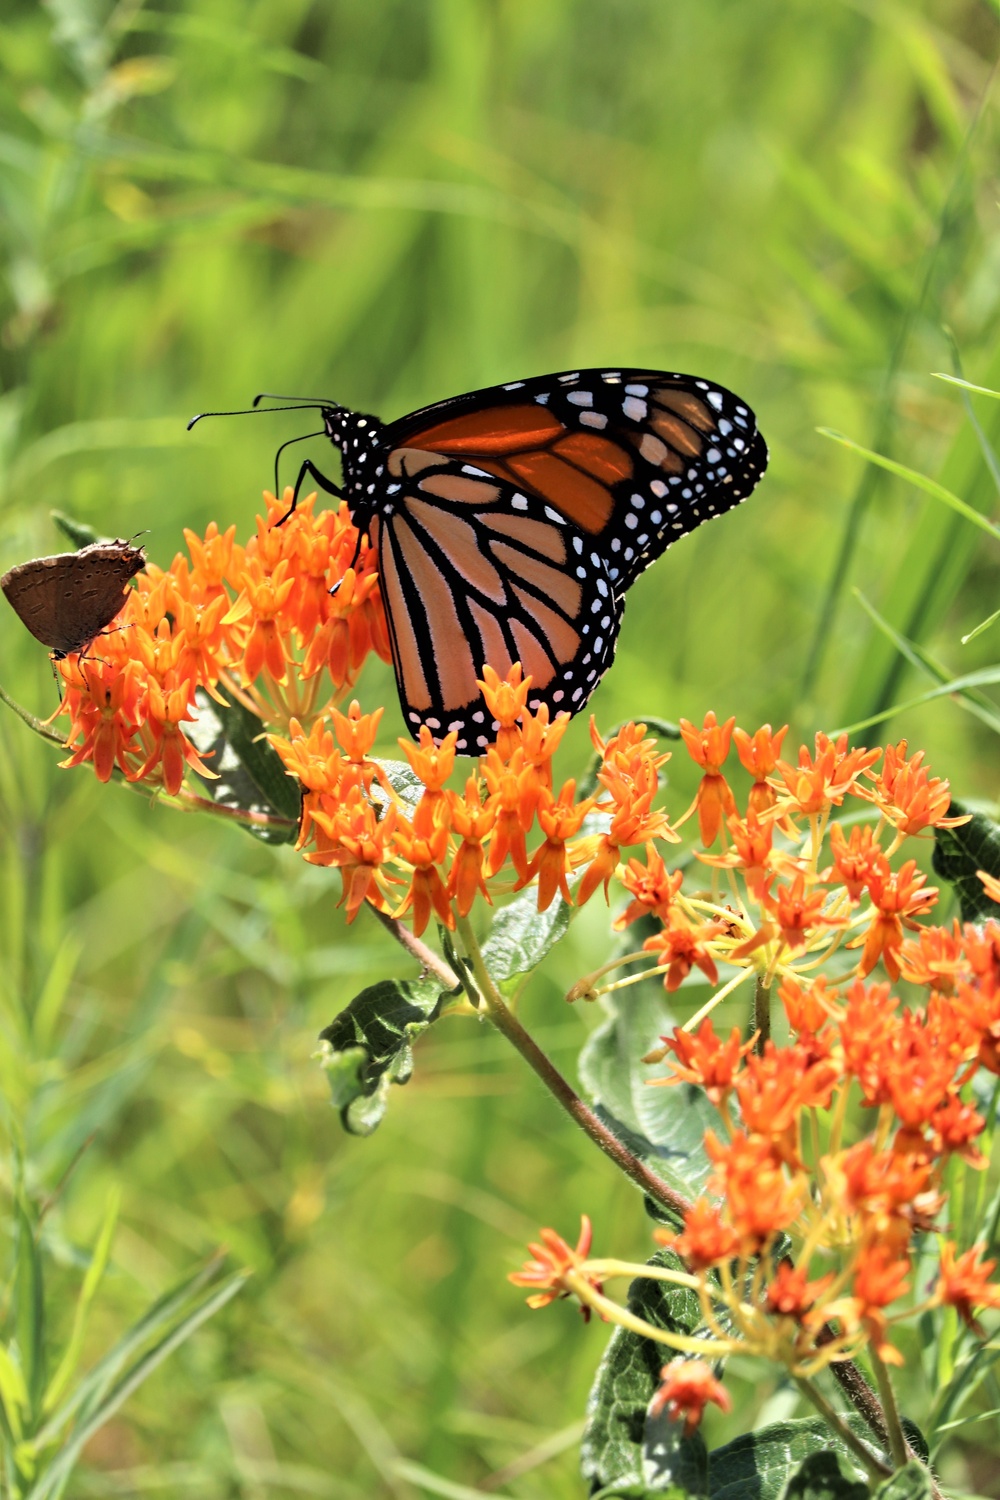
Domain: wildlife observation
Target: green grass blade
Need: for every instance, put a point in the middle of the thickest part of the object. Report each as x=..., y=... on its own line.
x=967, y=385
x=57, y=1472
x=986, y=677
x=91, y=1282
x=91, y=1389
x=983, y=625
x=914, y=477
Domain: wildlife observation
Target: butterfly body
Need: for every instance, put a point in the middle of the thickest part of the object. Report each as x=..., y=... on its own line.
x=510, y=522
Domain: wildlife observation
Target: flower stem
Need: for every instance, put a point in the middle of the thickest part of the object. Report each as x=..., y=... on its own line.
x=559, y=1087
x=762, y=1013
x=897, y=1439
x=873, y=1467
x=426, y=957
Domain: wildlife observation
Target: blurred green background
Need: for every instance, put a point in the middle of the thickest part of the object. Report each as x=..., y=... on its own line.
x=388, y=204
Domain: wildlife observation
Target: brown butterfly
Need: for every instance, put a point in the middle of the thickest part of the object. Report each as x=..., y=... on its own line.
x=67, y=600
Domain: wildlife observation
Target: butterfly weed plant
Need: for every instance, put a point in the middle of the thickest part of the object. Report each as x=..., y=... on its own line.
x=809, y=1176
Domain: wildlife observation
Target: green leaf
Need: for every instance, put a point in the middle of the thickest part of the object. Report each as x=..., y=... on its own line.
x=521, y=935
x=664, y=1125
x=370, y=1046
x=623, y=1451
x=911, y=1483
x=78, y=532
x=960, y=852
x=761, y=1465
x=822, y=1478
x=251, y=775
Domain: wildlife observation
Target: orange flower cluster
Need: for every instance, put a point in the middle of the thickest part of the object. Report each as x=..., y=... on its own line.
x=282, y=625
x=436, y=853
x=859, y=1203
x=798, y=884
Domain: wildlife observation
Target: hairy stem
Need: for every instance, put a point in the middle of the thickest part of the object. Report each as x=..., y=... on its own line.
x=559, y=1087
x=873, y=1467
x=762, y=1014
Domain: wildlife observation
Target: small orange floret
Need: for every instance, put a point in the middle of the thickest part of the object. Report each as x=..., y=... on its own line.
x=682, y=945
x=705, y=1059
x=687, y=1387
x=964, y=1283
x=553, y=1259
x=706, y=1239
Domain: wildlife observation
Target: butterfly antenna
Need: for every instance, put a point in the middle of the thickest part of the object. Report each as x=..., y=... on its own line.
x=255, y=411
x=308, y=400
x=289, y=443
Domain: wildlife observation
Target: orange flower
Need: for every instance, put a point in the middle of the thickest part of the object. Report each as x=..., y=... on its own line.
x=263, y=596
x=759, y=756
x=856, y=857
x=797, y=910
x=825, y=778
x=991, y=885
x=559, y=820
x=706, y=1240
x=513, y=794
x=705, y=1059
x=651, y=887
x=553, y=1258
x=775, y=1088
x=687, y=1387
x=761, y=1199
x=908, y=796
x=879, y=1279
x=472, y=822
x=964, y=1283
x=897, y=895
x=808, y=1006
x=353, y=838
x=427, y=891
x=507, y=700
x=935, y=958
x=751, y=851
x=681, y=945
x=709, y=747
x=171, y=751
x=102, y=704
x=791, y=1295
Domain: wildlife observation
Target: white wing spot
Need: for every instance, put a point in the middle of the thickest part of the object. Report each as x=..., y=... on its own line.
x=519, y=502
x=637, y=390
x=593, y=419
x=634, y=408
x=715, y=399
x=515, y=385
x=581, y=398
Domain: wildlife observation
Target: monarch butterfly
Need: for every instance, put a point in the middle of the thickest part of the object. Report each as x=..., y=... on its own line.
x=509, y=523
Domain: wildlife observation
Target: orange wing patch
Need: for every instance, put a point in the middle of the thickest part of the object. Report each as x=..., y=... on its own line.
x=492, y=432
x=460, y=545
x=598, y=456
x=564, y=590
x=579, y=497
x=540, y=536
x=686, y=406
x=452, y=660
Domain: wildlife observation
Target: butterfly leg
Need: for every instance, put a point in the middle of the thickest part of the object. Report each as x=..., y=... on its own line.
x=327, y=485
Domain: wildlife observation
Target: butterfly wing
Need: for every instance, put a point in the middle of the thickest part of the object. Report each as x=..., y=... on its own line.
x=475, y=570
x=634, y=459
